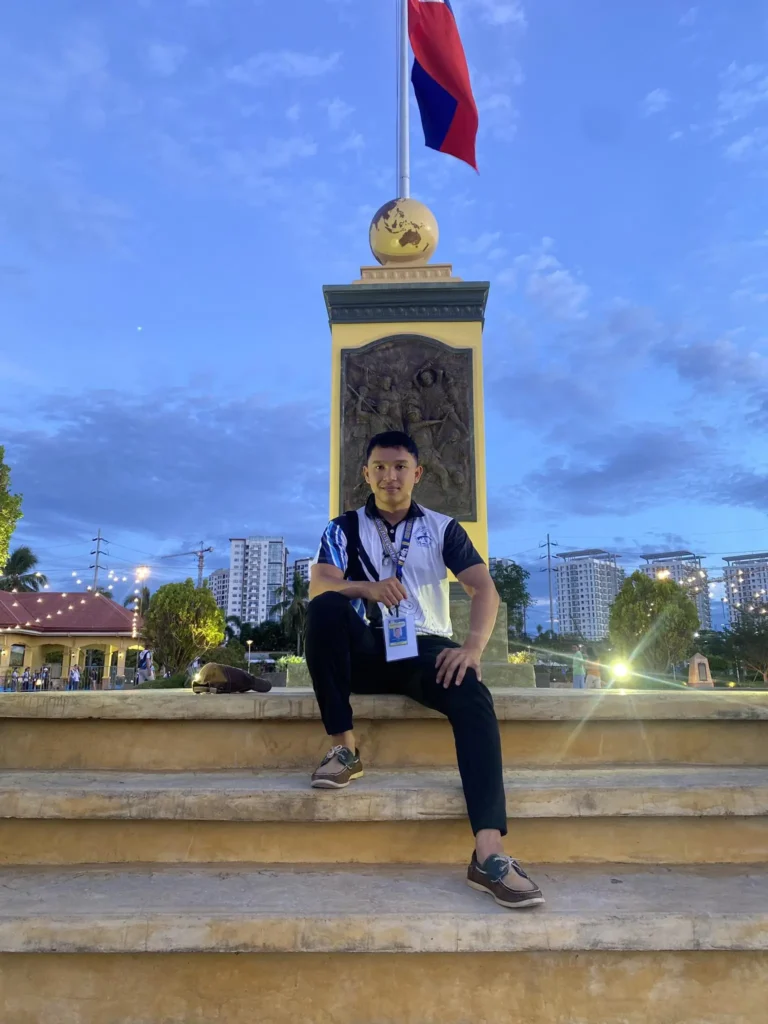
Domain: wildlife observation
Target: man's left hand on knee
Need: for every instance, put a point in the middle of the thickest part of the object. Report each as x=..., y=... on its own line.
x=452, y=664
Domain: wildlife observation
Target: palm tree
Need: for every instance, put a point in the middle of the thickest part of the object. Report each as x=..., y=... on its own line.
x=18, y=574
x=234, y=627
x=143, y=599
x=293, y=609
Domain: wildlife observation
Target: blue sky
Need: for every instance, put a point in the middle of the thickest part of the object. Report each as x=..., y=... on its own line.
x=180, y=178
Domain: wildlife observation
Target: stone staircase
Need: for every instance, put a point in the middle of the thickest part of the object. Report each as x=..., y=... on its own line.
x=164, y=861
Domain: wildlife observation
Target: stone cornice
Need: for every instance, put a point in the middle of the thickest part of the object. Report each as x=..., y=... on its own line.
x=406, y=303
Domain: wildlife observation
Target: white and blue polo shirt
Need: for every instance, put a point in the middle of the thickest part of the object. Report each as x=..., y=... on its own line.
x=439, y=544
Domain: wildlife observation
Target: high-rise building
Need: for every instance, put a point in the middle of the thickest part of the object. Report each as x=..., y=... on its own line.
x=587, y=584
x=218, y=584
x=302, y=567
x=502, y=563
x=745, y=578
x=257, y=570
x=684, y=568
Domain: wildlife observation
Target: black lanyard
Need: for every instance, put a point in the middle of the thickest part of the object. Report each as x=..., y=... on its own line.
x=398, y=557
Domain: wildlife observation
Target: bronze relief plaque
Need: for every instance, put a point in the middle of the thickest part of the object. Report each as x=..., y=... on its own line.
x=421, y=386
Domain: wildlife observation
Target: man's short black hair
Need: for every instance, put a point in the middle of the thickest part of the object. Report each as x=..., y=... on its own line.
x=393, y=439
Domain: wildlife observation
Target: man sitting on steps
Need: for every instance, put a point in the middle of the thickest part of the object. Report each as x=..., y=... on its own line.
x=379, y=622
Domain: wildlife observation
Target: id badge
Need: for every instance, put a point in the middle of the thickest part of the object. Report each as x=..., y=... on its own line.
x=400, y=636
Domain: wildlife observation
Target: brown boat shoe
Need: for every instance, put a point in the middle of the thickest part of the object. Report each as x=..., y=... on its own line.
x=504, y=879
x=337, y=769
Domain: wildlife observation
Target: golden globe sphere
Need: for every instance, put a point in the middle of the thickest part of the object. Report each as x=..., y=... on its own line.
x=403, y=231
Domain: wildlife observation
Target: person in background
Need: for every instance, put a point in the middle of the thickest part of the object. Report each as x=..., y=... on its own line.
x=144, y=665
x=578, y=669
x=15, y=680
x=74, y=678
x=594, y=680
x=26, y=679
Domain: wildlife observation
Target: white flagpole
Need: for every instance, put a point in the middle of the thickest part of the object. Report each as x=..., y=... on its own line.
x=403, y=134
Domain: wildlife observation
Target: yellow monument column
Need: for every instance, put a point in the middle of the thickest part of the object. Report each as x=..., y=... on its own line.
x=407, y=355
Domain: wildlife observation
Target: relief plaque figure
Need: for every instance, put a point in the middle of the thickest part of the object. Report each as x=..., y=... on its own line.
x=423, y=387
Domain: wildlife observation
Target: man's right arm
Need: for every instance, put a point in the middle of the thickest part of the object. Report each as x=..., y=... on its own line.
x=325, y=578
x=329, y=570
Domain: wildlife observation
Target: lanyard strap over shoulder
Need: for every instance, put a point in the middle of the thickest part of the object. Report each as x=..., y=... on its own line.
x=398, y=557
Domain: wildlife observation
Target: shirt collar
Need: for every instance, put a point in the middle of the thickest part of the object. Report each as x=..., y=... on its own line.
x=414, y=512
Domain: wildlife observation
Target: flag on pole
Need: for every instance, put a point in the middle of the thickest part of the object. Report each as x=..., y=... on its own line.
x=440, y=79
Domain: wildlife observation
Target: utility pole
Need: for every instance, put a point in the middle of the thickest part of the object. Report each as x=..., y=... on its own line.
x=549, y=544
x=98, y=541
x=201, y=552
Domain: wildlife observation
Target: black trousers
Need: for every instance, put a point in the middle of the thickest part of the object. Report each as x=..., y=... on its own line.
x=344, y=656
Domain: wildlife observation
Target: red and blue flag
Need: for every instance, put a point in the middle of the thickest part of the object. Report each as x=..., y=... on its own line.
x=440, y=79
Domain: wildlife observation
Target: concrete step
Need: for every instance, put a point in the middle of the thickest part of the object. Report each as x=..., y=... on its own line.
x=156, y=730
x=612, y=944
x=638, y=814
x=407, y=909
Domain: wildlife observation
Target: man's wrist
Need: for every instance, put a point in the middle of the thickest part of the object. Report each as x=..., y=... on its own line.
x=474, y=644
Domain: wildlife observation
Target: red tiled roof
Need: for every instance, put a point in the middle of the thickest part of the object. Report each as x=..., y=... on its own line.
x=53, y=612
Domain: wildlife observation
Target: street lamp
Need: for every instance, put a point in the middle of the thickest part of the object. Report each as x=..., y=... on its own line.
x=249, y=642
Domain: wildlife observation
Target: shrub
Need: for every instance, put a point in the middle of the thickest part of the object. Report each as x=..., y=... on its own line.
x=181, y=679
x=521, y=658
x=288, y=659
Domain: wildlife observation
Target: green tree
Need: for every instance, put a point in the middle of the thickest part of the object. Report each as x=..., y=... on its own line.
x=293, y=610
x=748, y=640
x=232, y=653
x=234, y=627
x=652, y=622
x=143, y=598
x=10, y=508
x=717, y=648
x=511, y=584
x=267, y=636
x=19, y=572
x=182, y=624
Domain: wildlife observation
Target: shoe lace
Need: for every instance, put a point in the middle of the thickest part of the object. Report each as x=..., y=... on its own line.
x=332, y=753
x=500, y=867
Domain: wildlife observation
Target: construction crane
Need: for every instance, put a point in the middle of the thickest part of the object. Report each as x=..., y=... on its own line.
x=200, y=553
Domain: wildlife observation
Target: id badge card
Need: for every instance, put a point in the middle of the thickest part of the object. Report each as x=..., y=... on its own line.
x=400, y=636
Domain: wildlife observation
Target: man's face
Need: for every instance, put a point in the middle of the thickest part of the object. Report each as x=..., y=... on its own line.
x=392, y=473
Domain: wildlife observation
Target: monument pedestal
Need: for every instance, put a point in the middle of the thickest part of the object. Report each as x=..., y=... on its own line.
x=497, y=671
x=407, y=355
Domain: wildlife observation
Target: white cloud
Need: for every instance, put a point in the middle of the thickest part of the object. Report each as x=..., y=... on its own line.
x=742, y=91
x=689, y=18
x=164, y=59
x=274, y=155
x=746, y=146
x=656, y=101
x=495, y=101
x=502, y=12
x=354, y=142
x=548, y=283
x=482, y=245
x=263, y=68
x=338, y=111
